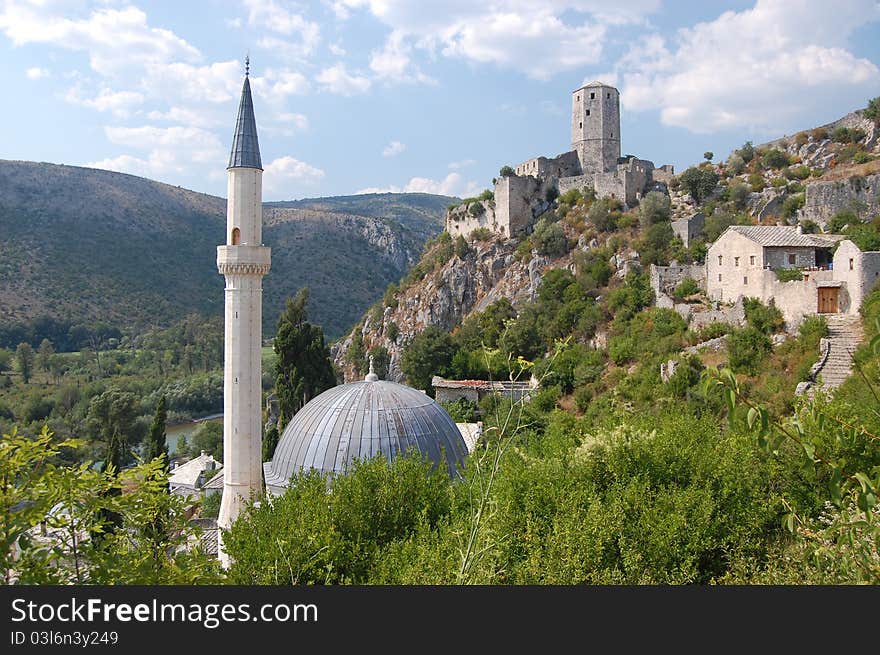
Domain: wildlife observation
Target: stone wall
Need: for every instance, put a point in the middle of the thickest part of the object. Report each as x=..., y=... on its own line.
x=575, y=182
x=461, y=221
x=734, y=266
x=664, y=279
x=564, y=165
x=824, y=199
x=664, y=173
x=518, y=199
x=779, y=257
x=595, y=127
x=688, y=228
x=859, y=270
x=734, y=315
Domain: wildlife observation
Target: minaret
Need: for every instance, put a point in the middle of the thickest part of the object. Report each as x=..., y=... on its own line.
x=243, y=261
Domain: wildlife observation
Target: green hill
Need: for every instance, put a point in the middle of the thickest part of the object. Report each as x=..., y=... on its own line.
x=83, y=246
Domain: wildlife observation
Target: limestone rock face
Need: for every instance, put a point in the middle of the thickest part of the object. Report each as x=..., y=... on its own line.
x=489, y=272
x=824, y=199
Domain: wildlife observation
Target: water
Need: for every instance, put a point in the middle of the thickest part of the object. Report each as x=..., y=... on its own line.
x=186, y=430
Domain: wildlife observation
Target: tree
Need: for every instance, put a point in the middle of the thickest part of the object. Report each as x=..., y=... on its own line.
x=507, y=171
x=209, y=437
x=699, y=183
x=872, y=111
x=429, y=353
x=270, y=442
x=381, y=361
x=303, y=368
x=44, y=353
x=112, y=419
x=655, y=207
x=24, y=357
x=708, y=155
x=156, y=444
x=5, y=360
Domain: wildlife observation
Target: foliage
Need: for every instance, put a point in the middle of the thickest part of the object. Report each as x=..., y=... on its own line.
x=720, y=221
x=602, y=216
x=24, y=360
x=655, y=207
x=746, y=348
x=764, y=318
x=687, y=287
x=462, y=410
x=112, y=419
x=735, y=164
x=756, y=182
x=847, y=135
x=699, y=182
x=506, y=171
x=549, y=238
x=429, y=353
x=303, y=367
x=461, y=247
x=872, y=111
x=774, y=159
x=155, y=445
x=708, y=155
x=789, y=274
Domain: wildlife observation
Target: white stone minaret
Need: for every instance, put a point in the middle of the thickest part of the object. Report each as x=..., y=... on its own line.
x=243, y=261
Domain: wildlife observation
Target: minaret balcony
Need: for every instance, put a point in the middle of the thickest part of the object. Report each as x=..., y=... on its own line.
x=248, y=260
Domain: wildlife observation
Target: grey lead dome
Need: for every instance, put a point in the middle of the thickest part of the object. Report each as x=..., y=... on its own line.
x=360, y=420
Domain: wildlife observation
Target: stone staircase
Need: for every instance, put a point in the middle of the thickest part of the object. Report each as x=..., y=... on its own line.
x=844, y=336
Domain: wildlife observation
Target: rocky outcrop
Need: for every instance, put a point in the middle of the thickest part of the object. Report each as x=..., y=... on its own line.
x=825, y=199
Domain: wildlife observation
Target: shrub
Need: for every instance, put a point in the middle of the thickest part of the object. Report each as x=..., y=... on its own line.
x=765, y=318
x=841, y=219
x=549, y=239
x=746, y=348
x=476, y=209
x=655, y=207
x=801, y=139
x=506, y=171
x=582, y=398
x=872, y=111
x=735, y=164
x=601, y=217
x=571, y=197
x=461, y=247
x=789, y=274
x=481, y=234
x=700, y=183
x=774, y=159
x=792, y=204
x=687, y=287
x=809, y=227
x=778, y=182
x=862, y=157
x=747, y=151
x=462, y=410
x=488, y=194
x=756, y=180
x=392, y=331
x=738, y=194
x=714, y=330
x=819, y=134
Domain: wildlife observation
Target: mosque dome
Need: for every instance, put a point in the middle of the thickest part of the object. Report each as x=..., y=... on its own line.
x=360, y=420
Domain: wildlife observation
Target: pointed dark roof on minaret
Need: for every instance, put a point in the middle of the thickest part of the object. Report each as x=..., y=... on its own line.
x=245, y=147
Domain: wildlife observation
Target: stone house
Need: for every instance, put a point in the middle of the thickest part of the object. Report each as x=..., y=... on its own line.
x=446, y=391
x=835, y=273
x=187, y=479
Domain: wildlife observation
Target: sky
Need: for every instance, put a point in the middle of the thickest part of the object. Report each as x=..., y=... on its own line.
x=355, y=96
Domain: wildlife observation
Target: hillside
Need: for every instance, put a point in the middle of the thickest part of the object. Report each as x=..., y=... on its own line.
x=83, y=245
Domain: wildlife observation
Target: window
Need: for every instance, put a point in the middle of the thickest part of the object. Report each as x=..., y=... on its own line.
x=719, y=277
x=588, y=112
x=850, y=264
x=578, y=98
x=719, y=260
x=736, y=261
x=752, y=260
x=592, y=96
x=791, y=258
x=608, y=96
x=612, y=135
x=236, y=236
x=745, y=280
x=580, y=125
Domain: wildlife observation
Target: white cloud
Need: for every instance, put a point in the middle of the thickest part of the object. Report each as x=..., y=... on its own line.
x=234, y=23
x=168, y=150
x=769, y=68
x=272, y=16
x=393, y=149
x=283, y=176
x=119, y=103
x=336, y=49
x=36, y=73
x=464, y=163
x=336, y=79
x=115, y=39
x=393, y=63
x=298, y=121
x=276, y=84
x=451, y=185
x=538, y=38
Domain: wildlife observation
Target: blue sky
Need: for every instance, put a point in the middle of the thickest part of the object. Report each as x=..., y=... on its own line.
x=394, y=95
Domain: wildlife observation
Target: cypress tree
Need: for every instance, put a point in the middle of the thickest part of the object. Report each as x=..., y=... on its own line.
x=156, y=445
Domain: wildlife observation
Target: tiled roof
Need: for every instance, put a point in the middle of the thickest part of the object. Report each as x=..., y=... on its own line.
x=784, y=236
x=484, y=385
x=216, y=482
x=187, y=475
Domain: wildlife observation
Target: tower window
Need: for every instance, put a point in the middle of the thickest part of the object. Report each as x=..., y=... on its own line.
x=752, y=260
x=592, y=96
x=745, y=280
x=588, y=112
x=580, y=125
x=719, y=277
x=608, y=96
x=612, y=135
x=236, y=236
x=850, y=264
x=720, y=259
x=736, y=261
x=578, y=98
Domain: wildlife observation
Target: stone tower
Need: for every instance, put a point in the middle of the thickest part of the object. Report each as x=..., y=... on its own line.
x=595, y=126
x=243, y=261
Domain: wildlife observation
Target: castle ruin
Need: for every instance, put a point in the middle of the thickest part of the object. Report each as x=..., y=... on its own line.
x=593, y=164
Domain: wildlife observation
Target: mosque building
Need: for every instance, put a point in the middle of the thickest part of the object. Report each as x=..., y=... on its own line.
x=359, y=420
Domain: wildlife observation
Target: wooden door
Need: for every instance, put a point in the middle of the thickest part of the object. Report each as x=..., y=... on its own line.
x=828, y=300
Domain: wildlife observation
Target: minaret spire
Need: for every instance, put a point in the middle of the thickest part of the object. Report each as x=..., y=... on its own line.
x=244, y=260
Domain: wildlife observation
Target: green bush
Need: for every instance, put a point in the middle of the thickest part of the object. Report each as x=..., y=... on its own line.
x=756, y=180
x=764, y=318
x=476, y=209
x=506, y=171
x=789, y=274
x=774, y=159
x=746, y=349
x=735, y=164
x=655, y=207
x=699, y=182
x=481, y=234
x=549, y=239
x=687, y=287
x=792, y=204
x=462, y=410
x=461, y=247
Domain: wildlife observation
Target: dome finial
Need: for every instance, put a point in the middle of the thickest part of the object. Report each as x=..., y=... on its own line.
x=247, y=64
x=371, y=376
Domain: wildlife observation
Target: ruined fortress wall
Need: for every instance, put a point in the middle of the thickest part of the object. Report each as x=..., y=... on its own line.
x=664, y=279
x=563, y=165
x=513, y=196
x=824, y=199
x=575, y=182
x=460, y=221
x=689, y=228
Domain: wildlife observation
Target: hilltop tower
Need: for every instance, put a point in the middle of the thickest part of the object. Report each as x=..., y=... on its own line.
x=595, y=127
x=243, y=261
